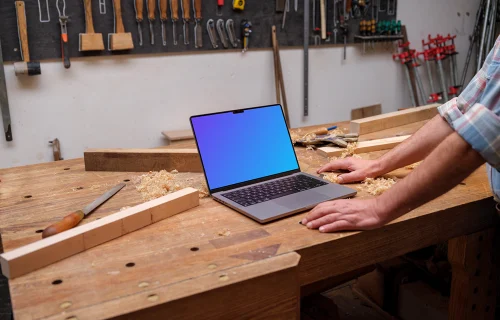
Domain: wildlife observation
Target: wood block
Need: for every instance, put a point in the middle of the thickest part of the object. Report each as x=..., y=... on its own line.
x=177, y=202
x=121, y=41
x=364, y=112
x=91, y=42
x=393, y=119
x=40, y=254
x=46, y=251
x=364, y=146
x=178, y=135
x=142, y=160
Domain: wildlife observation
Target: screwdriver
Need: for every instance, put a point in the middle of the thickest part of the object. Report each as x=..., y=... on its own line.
x=186, y=16
x=174, y=12
x=152, y=17
x=163, y=18
x=139, y=6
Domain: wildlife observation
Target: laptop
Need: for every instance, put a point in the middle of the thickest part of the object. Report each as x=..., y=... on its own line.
x=250, y=164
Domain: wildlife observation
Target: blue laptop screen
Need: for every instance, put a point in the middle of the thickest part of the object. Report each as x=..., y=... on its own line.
x=242, y=146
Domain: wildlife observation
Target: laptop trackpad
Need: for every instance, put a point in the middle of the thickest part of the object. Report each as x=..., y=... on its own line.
x=301, y=199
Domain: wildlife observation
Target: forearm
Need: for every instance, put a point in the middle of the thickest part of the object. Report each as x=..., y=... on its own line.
x=417, y=147
x=447, y=165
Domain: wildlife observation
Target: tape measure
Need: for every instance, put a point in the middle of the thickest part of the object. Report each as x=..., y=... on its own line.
x=239, y=5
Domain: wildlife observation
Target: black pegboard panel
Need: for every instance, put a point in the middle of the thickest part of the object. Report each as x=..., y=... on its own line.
x=44, y=38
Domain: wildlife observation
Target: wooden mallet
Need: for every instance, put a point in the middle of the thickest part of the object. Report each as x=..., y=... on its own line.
x=31, y=68
x=90, y=41
x=120, y=40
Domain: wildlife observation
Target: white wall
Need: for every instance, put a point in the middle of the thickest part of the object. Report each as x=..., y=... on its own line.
x=127, y=101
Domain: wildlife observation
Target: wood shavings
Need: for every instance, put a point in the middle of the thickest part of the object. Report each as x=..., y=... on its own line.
x=310, y=148
x=332, y=177
x=224, y=233
x=125, y=208
x=294, y=136
x=378, y=186
x=413, y=166
x=157, y=184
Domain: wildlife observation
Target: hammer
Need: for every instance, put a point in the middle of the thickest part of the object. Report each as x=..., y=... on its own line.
x=28, y=67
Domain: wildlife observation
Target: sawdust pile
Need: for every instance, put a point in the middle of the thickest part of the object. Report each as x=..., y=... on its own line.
x=157, y=184
x=413, y=166
x=378, y=186
x=331, y=176
x=298, y=134
x=224, y=233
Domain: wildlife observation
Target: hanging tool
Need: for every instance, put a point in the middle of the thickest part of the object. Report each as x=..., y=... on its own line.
x=347, y=9
x=198, y=29
x=296, y=5
x=280, y=5
x=119, y=40
x=316, y=28
x=40, y=11
x=278, y=73
x=323, y=19
x=345, y=32
x=186, y=17
x=63, y=21
x=152, y=18
x=391, y=7
x=231, y=33
x=287, y=8
x=335, y=29
x=239, y=5
x=90, y=41
x=439, y=57
x=306, y=58
x=427, y=58
x=4, y=101
x=102, y=6
x=174, y=13
x=73, y=219
x=56, y=149
x=163, y=5
x=31, y=68
x=212, y=33
x=404, y=59
x=139, y=17
x=420, y=86
x=222, y=33
x=220, y=5
x=246, y=31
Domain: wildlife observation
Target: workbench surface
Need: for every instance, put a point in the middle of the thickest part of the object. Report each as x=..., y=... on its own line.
x=208, y=262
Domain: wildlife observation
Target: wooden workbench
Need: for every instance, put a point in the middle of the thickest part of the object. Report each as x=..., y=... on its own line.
x=186, y=268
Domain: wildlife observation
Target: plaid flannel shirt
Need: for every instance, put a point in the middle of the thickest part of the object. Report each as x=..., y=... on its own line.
x=475, y=115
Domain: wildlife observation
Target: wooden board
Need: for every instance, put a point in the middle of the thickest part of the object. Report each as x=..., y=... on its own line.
x=364, y=146
x=49, y=250
x=365, y=112
x=186, y=252
x=393, y=119
x=142, y=160
x=178, y=135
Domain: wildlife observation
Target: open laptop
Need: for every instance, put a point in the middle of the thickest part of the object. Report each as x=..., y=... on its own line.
x=250, y=164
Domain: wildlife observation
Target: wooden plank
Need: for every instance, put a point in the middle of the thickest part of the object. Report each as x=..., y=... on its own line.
x=178, y=135
x=393, y=119
x=49, y=250
x=365, y=112
x=364, y=146
x=142, y=160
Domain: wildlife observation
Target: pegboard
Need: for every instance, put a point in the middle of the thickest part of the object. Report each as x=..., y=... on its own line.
x=44, y=37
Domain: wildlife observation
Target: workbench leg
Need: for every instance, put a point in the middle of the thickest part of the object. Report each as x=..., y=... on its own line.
x=474, y=275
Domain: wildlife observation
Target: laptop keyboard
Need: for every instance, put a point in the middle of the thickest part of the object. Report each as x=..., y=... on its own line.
x=272, y=190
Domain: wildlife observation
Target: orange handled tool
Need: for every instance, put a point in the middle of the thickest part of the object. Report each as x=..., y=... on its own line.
x=73, y=219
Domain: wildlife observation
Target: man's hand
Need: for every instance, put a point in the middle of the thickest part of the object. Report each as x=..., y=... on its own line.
x=359, y=169
x=342, y=215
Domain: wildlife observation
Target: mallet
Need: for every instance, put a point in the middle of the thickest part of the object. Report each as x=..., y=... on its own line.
x=31, y=68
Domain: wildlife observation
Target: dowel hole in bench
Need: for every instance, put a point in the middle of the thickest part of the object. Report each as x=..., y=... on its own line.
x=480, y=238
x=130, y=265
x=28, y=196
x=39, y=231
x=487, y=308
x=473, y=307
x=56, y=282
x=476, y=290
x=66, y=168
x=126, y=180
x=153, y=297
x=79, y=188
x=195, y=249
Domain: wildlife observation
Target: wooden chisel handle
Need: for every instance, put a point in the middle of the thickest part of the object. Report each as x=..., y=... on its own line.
x=186, y=9
x=118, y=16
x=139, y=10
x=174, y=9
x=89, y=21
x=151, y=9
x=68, y=222
x=197, y=9
x=323, y=19
x=163, y=9
x=23, y=30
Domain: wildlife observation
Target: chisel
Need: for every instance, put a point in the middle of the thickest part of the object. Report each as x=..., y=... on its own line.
x=198, y=29
x=152, y=17
x=186, y=17
x=174, y=13
x=163, y=5
x=4, y=101
x=74, y=218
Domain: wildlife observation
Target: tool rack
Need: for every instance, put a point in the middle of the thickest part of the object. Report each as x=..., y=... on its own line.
x=44, y=28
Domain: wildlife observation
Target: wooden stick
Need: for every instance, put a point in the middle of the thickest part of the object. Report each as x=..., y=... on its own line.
x=323, y=19
x=44, y=252
x=364, y=146
x=393, y=119
x=142, y=160
x=276, y=72
x=281, y=81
